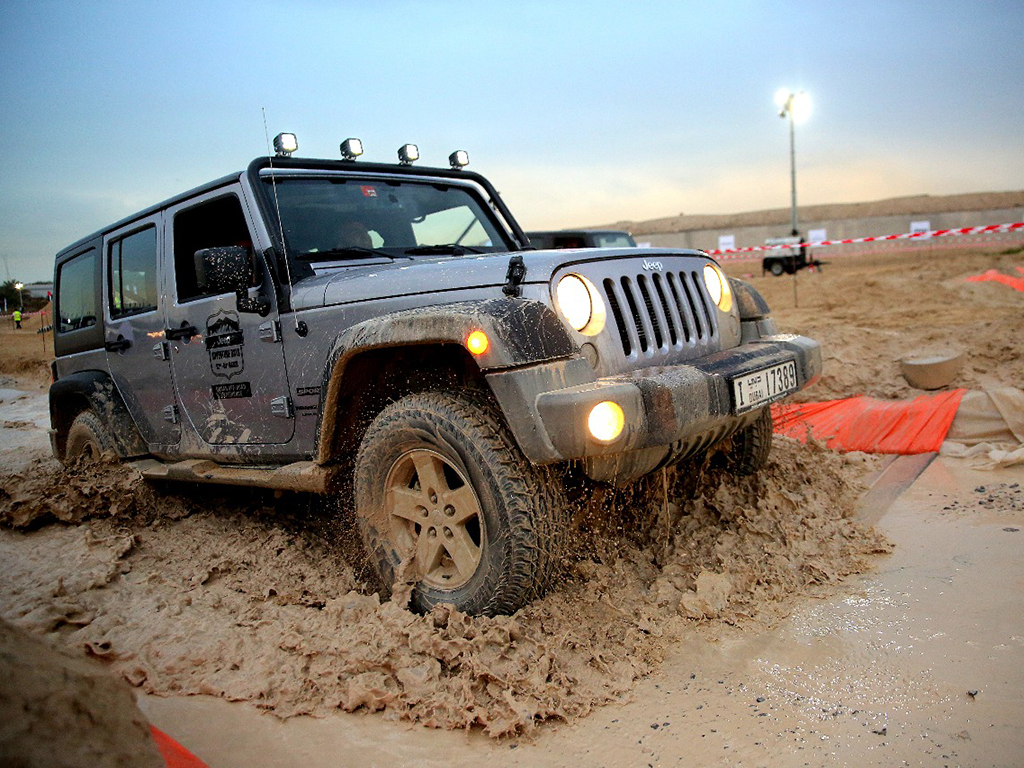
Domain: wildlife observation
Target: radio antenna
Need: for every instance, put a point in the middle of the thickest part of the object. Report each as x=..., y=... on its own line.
x=299, y=326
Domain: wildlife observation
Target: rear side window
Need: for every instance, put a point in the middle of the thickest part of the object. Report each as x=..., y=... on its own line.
x=77, y=303
x=133, y=274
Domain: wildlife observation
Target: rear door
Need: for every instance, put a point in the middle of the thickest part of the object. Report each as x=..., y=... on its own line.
x=228, y=366
x=137, y=355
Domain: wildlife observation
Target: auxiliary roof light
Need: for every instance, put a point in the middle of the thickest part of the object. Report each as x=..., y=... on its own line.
x=458, y=159
x=351, y=149
x=285, y=144
x=408, y=154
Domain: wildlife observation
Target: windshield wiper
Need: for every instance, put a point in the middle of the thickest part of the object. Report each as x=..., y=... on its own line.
x=451, y=249
x=352, y=250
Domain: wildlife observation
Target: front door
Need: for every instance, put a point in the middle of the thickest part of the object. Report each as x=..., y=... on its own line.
x=229, y=368
x=137, y=354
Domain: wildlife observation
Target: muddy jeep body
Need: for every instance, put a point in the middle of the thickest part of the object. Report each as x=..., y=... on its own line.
x=224, y=336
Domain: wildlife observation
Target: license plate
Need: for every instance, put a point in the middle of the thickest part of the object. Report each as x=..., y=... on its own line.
x=755, y=389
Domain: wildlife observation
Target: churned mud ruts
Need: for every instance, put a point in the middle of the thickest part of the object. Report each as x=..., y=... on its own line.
x=253, y=600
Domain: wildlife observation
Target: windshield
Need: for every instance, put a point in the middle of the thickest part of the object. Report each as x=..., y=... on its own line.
x=345, y=217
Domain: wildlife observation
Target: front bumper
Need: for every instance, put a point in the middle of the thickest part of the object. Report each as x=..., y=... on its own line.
x=670, y=411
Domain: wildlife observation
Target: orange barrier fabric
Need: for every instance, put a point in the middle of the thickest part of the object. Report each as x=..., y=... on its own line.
x=1017, y=283
x=175, y=755
x=873, y=426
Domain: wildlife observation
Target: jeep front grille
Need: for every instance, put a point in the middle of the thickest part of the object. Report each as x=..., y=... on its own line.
x=661, y=313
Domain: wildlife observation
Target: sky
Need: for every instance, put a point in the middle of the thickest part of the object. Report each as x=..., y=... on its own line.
x=581, y=113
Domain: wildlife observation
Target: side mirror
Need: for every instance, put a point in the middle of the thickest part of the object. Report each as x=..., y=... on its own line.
x=228, y=269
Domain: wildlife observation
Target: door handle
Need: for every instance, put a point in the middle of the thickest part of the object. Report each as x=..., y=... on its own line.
x=120, y=345
x=185, y=332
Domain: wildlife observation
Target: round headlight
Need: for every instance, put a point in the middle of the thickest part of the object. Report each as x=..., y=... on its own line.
x=718, y=287
x=580, y=304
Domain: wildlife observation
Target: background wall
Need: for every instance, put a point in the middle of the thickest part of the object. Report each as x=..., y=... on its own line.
x=836, y=229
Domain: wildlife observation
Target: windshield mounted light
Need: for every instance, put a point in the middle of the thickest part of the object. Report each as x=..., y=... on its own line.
x=458, y=159
x=285, y=144
x=718, y=287
x=408, y=154
x=351, y=149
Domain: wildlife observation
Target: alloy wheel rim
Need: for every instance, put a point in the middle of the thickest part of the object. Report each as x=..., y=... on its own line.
x=434, y=512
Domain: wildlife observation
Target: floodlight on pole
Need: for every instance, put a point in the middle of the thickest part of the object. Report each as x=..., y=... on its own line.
x=796, y=106
x=21, y=302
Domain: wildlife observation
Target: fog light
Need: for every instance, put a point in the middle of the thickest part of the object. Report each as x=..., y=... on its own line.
x=351, y=149
x=477, y=342
x=606, y=421
x=285, y=144
x=408, y=154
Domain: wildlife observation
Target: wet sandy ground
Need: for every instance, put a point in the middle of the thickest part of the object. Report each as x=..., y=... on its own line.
x=920, y=662
x=877, y=673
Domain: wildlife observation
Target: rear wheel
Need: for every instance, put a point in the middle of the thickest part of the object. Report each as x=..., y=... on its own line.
x=89, y=440
x=441, y=484
x=751, y=446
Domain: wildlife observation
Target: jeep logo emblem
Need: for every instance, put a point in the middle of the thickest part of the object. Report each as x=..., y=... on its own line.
x=655, y=265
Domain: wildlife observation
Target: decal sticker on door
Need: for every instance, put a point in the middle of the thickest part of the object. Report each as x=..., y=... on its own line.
x=224, y=342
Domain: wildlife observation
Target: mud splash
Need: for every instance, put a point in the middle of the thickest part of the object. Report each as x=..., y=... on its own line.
x=233, y=596
x=46, y=492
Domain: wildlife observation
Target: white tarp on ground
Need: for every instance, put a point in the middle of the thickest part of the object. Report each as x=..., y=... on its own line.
x=989, y=427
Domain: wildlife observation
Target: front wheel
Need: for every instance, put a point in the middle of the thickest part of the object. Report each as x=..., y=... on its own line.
x=751, y=446
x=441, y=484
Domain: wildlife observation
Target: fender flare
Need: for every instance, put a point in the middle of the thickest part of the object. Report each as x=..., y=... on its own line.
x=521, y=332
x=93, y=390
x=750, y=302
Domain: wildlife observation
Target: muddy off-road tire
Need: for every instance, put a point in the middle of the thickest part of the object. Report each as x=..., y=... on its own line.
x=89, y=440
x=439, y=474
x=751, y=446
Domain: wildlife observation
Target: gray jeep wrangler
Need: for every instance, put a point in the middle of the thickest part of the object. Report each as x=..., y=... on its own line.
x=316, y=325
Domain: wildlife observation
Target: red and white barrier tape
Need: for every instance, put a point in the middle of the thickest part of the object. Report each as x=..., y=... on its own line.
x=988, y=229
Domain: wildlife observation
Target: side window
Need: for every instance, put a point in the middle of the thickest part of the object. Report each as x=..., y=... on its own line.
x=77, y=303
x=133, y=274
x=213, y=224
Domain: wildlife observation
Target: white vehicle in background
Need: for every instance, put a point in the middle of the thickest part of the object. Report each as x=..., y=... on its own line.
x=789, y=259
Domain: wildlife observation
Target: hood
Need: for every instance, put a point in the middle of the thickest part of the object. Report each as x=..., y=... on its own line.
x=344, y=283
